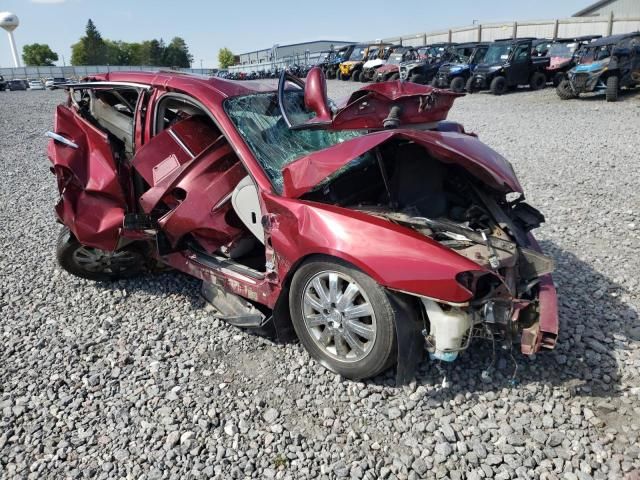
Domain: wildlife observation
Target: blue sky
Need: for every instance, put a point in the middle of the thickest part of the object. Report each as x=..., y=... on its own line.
x=251, y=24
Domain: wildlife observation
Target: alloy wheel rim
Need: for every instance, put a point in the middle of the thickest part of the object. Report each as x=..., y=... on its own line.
x=339, y=316
x=102, y=261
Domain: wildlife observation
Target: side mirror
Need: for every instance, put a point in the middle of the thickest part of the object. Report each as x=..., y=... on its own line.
x=315, y=99
x=315, y=95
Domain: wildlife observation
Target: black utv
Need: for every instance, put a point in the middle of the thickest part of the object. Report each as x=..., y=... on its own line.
x=509, y=64
x=330, y=60
x=455, y=74
x=3, y=84
x=608, y=64
x=424, y=69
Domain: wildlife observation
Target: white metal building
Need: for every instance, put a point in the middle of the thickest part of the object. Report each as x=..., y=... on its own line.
x=278, y=52
x=604, y=8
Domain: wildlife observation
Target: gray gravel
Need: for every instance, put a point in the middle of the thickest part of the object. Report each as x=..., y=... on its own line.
x=135, y=380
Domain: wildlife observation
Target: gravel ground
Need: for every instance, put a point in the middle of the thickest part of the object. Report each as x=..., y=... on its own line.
x=136, y=380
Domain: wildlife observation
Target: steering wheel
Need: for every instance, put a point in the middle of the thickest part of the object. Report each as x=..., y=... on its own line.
x=284, y=78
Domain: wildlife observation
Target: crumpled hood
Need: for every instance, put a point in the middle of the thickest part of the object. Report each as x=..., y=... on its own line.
x=462, y=149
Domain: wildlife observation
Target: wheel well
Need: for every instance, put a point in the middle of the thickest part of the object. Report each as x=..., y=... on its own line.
x=281, y=312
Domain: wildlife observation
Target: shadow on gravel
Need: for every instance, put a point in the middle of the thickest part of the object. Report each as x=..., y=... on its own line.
x=623, y=95
x=161, y=284
x=593, y=326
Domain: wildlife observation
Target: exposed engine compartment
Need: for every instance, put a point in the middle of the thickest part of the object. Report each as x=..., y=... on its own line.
x=401, y=182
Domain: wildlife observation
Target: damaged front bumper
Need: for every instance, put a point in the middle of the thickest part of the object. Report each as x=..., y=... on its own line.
x=532, y=322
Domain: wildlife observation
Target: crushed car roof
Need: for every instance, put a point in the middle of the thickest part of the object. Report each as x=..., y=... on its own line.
x=186, y=81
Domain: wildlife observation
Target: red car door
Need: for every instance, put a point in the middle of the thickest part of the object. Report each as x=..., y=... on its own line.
x=92, y=201
x=191, y=172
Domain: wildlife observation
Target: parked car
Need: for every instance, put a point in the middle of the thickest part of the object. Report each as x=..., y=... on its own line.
x=391, y=69
x=15, y=84
x=455, y=74
x=35, y=84
x=607, y=64
x=509, y=64
x=425, y=68
x=372, y=234
x=562, y=56
x=52, y=83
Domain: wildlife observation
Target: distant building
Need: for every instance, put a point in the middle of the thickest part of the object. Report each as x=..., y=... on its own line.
x=279, y=52
x=604, y=8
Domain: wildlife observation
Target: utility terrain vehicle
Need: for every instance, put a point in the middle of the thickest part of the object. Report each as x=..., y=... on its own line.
x=509, y=64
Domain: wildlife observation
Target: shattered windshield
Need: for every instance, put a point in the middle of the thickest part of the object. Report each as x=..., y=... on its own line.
x=259, y=121
x=497, y=53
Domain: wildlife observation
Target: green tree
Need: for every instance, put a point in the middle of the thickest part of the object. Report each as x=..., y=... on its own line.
x=156, y=52
x=39, y=55
x=226, y=58
x=91, y=49
x=177, y=54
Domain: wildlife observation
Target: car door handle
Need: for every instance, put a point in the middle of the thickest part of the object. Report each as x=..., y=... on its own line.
x=61, y=139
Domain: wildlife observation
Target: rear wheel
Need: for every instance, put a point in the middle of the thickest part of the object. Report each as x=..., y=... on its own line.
x=355, y=76
x=613, y=88
x=537, y=81
x=418, y=78
x=564, y=90
x=95, y=264
x=457, y=84
x=469, y=86
x=343, y=318
x=498, y=85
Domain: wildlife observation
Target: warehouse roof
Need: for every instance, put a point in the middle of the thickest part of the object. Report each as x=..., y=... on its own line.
x=592, y=7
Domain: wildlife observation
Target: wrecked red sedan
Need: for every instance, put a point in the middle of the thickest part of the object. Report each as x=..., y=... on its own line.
x=376, y=229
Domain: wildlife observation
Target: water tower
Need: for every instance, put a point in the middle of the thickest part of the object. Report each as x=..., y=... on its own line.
x=10, y=22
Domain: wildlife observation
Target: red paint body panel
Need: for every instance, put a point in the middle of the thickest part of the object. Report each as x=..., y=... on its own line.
x=192, y=190
x=548, y=300
x=92, y=202
x=368, y=107
x=450, y=147
x=395, y=256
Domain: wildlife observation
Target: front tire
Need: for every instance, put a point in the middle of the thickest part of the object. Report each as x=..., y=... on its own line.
x=457, y=85
x=95, y=264
x=355, y=76
x=537, y=81
x=498, y=85
x=343, y=318
x=469, y=86
x=613, y=88
x=564, y=90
